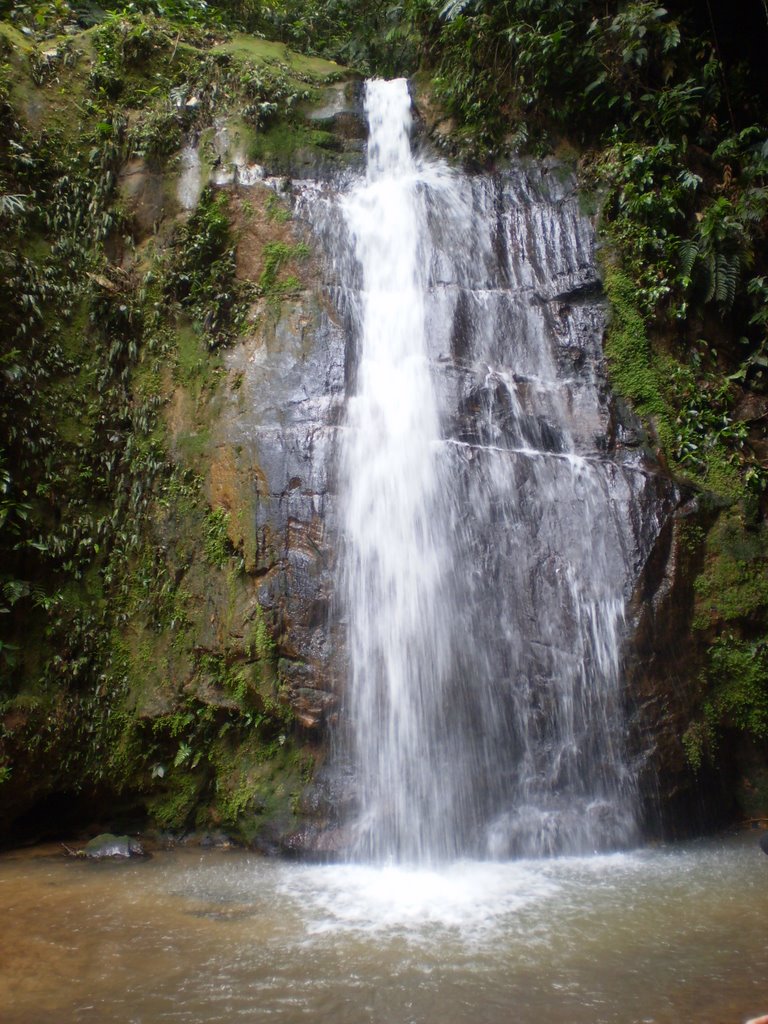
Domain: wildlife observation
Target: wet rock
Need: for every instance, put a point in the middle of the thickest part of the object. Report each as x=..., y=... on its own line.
x=317, y=843
x=143, y=190
x=576, y=356
x=663, y=663
x=215, y=840
x=751, y=407
x=107, y=845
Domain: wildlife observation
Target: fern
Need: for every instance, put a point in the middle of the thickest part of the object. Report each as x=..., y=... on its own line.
x=688, y=252
x=709, y=269
x=726, y=279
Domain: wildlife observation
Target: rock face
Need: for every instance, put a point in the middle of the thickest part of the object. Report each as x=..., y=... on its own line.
x=281, y=423
x=270, y=424
x=201, y=694
x=533, y=444
x=663, y=663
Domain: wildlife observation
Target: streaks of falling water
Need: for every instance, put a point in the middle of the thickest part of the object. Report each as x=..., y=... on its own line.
x=488, y=546
x=395, y=563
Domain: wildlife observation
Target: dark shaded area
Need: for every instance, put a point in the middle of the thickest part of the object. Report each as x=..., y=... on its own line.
x=738, y=30
x=61, y=815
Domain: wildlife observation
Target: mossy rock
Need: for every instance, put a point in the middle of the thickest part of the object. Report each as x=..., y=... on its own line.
x=108, y=846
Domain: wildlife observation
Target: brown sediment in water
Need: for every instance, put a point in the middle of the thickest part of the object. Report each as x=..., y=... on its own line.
x=211, y=935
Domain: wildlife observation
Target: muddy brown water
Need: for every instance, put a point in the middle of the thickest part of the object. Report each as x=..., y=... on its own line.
x=649, y=937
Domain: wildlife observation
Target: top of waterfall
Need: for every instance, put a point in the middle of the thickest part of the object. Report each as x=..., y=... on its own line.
x=388, y=106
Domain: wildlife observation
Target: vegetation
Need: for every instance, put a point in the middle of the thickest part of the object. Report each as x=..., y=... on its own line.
x=112, y=678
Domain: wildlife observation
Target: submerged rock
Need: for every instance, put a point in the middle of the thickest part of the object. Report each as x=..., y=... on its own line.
x=107, y=845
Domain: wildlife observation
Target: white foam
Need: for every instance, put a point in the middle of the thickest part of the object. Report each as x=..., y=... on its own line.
x=468, y=898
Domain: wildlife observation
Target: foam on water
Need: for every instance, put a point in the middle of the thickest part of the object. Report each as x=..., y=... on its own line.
x=467, y=898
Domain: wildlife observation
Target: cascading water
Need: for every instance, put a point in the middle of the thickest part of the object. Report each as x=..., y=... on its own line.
x=490, y=540
x=396, y=558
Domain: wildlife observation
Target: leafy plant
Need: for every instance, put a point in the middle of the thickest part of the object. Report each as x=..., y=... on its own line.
x=216, y=539
x=202, y=273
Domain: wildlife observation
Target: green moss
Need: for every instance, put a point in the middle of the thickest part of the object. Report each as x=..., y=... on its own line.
x=689, y=411
x=174, y=807
x=632, y=364
x=48, y=82
x=262, y=51
x=698, y=743
x=738, y=673
x=261, y=643
x=752, y=793
x=74, y=334
x=286, y=147
x=691, y=537
x=734, y=583
x=721, y=474
x=277, y=255
x=632, y=367
x=256, y=786
x=216, y=536
x=276, y=210
x=192, y=446
x=125, y=753
x=732, y=598
x=13, y=39
x=197, y=369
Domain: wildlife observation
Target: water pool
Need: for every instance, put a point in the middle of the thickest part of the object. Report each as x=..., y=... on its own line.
x=654, y=936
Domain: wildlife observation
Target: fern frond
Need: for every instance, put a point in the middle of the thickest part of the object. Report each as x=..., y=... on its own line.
x=710, y=275
x=727, y=275
x=688, y=253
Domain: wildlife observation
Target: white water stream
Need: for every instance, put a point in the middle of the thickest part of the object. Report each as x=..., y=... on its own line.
x=488, y=548
x=397, y=557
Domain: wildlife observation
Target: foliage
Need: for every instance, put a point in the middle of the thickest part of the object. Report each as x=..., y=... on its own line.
x=215, y=538
x=739, y=674
x=202, y=273
x=276, y=255
x=261, y=644
x=736, y=683
x=106, y=544
x=733, y=587
x=628, y=347
x=375, y=38
x=732, y=614
x=186, y=12
x=572, y=63
x=54, y=15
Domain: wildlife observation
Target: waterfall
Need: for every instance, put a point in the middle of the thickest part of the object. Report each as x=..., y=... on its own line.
x=492, y=522
x=396, y=559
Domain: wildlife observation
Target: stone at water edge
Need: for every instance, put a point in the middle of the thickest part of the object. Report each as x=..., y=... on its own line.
x=764, y=846
x=107, y=845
